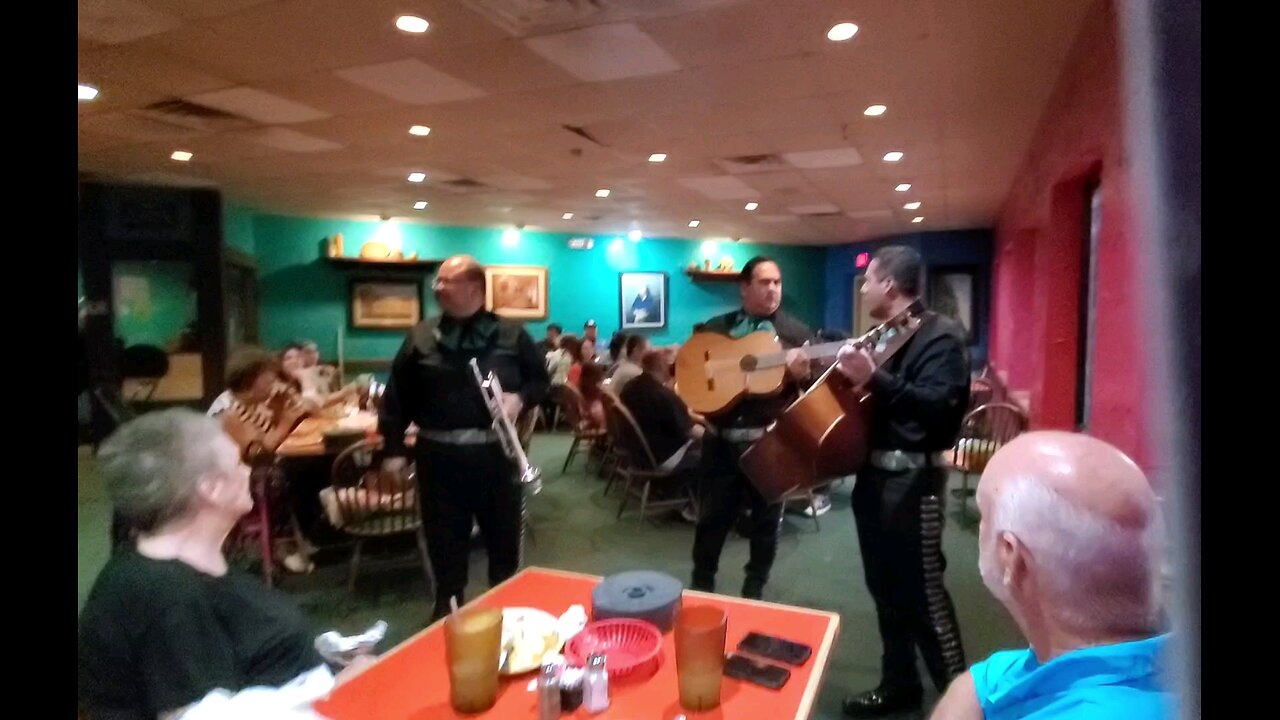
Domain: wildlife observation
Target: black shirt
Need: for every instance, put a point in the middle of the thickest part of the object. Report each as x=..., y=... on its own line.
x=922, y=392
x=158, y=635
x=662, y=416
x=432, y=384
x=760, y=411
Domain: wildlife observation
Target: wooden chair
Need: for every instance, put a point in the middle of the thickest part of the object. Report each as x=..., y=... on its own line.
x=636, y=464
x=359, y=504
x=984, y=431
x=573, y=407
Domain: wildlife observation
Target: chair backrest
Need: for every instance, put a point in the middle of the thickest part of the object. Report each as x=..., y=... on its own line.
x=981, y=392
x=985, y=430
x=628, y=439
x=360, y=501
x=144, y=361
x=571, y=403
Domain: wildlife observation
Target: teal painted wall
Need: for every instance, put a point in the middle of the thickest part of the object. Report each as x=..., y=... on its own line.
x=154, y=301
x=237, y=227
x=302, y=296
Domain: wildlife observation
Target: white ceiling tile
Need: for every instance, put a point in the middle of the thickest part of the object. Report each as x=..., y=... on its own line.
x=411, y=81
x=835, y=157
x=720, y=188
x=605, y=52
x=294, y=141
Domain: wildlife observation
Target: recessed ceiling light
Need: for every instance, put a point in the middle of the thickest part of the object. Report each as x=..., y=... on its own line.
x=894, y=156
x=635, y=235
x=912, y=205
x=917, y=219
x=751, y=206
x=875, y=110
x=412, y=24
x=657, y=157
x=420, y=205
x=903, y=187
x=567, y=216
x=695, y=223
x=417, y=177
x=87, y=92
x=602, y=192
x=181, y=155
x=842, y=32
x=420, y=130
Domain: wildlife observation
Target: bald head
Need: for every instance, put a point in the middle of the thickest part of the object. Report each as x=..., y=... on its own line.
x=1069, y=534
x=459, y=286
x=1085, y=471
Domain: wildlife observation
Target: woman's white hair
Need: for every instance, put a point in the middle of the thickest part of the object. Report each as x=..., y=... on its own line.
x=1096, y=573
x=153, y=464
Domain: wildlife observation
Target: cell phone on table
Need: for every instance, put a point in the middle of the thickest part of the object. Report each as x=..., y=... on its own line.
x=741, y=667
x=775, y=648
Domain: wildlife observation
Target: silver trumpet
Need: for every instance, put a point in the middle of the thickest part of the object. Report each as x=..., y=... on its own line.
x=491, y=389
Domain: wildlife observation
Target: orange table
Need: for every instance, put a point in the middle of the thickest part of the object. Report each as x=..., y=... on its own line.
x=411, y=682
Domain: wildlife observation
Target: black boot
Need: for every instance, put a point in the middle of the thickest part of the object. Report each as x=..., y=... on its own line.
x=753, y=588
x=703, y=582
x=442, y=607
x=882, y=702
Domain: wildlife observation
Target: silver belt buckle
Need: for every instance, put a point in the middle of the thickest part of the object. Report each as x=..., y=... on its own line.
x=898, y=460
x=742, y=434
x=465, y=436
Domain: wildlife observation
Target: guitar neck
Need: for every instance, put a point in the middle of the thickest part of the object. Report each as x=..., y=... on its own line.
x=813, y=352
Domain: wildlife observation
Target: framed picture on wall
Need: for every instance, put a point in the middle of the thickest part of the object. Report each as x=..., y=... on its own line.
x=643, y=300
x=386, y=304
x=951, y=293
x=516, y=291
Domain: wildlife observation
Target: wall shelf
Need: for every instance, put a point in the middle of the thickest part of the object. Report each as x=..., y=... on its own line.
x=712, y=275
x=405, y=266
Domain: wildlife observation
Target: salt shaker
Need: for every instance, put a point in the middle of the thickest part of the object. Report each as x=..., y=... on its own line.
x=595, y=685
x=549, y=692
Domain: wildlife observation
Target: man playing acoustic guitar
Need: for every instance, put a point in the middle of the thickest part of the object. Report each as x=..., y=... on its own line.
x=735, y=429
x=920, y=395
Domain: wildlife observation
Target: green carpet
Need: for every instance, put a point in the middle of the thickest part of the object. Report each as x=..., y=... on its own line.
x=575, y=529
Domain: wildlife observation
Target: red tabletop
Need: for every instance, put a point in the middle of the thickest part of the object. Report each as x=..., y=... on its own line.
x=411, y=682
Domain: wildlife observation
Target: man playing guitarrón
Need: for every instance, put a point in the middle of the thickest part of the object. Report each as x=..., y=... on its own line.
x=920, y=394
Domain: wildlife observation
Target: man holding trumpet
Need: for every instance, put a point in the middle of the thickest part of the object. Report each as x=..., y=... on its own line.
x=463, y=473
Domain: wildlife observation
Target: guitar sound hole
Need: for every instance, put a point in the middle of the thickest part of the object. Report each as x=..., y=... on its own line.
x=748, y=363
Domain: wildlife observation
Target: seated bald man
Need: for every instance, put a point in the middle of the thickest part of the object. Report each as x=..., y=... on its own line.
x=1069, y=545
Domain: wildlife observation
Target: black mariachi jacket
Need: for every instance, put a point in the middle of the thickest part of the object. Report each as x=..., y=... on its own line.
x=432, y=384
x=922, y=392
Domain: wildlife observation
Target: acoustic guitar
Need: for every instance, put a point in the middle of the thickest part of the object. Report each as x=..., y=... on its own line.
x=714, y=371
x=823, y=434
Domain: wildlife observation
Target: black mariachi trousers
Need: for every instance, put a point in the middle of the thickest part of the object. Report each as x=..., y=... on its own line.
x=899, y=517
x=459, y=483
x=722, y=488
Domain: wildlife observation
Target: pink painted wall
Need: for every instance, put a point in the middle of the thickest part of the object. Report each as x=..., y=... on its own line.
x=1039, y=237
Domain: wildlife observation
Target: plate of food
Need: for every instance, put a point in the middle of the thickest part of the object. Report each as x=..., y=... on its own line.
x=528, y=635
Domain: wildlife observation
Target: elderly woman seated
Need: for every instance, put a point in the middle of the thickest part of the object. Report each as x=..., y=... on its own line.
x=167, y=621
x=259, y=414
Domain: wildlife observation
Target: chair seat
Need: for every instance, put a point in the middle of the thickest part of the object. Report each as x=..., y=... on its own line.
x=383, y=525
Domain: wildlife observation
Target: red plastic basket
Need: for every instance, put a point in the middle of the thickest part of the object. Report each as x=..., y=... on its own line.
x=630, y=647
